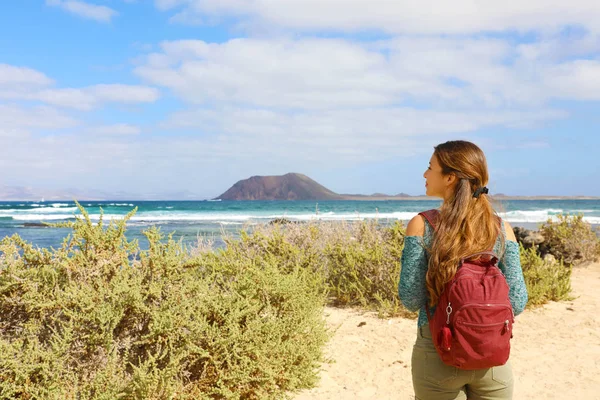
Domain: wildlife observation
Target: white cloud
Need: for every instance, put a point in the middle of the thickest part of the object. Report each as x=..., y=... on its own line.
x=42, y=144
x=20, y=83
x=326, y=102
x=112, y=155
x=559, y=47
x=578, y=79
x=70, y=98
x=402, y=16
x=93, y=96
x=85, y=10
x=117, y=129
x=35, y=117
x=336, y=74
x=309, y=73
x=20, y=76
x=16, y=121
x=241, y=141
x=186, y=18
x=168, y=4
x=124, y=93
x=334, y=136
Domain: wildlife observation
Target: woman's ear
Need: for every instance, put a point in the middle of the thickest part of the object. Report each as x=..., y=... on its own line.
x=450, y=179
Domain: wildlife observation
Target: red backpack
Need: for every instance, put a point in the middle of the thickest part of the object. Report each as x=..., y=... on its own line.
x=472, y=326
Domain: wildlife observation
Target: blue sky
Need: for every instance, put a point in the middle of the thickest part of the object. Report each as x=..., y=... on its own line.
x=182, y=98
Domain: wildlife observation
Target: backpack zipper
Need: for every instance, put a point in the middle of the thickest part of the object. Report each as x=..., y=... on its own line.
x=482, y=325
x=487, y=305
x=505, y=323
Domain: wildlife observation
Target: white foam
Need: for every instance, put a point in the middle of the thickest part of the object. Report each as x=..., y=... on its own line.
x=331, y=216
x=40, y=217
x=532, y=216
x=56, y=205
x=40, y=210
x=53, y=213
x=217, y=218
x=167, y=216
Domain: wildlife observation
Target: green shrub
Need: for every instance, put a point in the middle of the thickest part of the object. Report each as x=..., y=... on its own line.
x=99, y=319
x=571, y=239
x=546, y=280
x=363, y=267
x=358, y=261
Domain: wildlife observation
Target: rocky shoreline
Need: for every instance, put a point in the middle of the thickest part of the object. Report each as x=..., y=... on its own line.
x=532, y=238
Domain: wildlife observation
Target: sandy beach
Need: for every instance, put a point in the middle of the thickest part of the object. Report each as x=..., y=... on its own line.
x=555, y=354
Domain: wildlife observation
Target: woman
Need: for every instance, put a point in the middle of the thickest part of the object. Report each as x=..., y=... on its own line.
x=467, y=224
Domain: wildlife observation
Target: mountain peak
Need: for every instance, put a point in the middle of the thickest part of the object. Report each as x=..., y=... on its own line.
x=291, y=186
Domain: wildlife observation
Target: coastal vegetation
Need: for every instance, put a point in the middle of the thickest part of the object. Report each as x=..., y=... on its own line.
x=99, y=318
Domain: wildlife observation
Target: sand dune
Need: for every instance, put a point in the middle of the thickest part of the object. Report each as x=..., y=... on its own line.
x=555, y=355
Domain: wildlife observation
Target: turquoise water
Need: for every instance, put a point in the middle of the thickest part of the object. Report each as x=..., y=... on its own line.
x=190, y=219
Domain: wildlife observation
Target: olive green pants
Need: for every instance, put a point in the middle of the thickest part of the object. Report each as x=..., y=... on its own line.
x=434, y=380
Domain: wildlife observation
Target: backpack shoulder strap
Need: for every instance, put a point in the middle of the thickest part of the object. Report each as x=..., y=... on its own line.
x=431, y=216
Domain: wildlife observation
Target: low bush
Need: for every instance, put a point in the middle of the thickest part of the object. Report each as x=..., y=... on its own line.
x=571, y=239
x=99, y=319
x=546, y=280
x=358, y=261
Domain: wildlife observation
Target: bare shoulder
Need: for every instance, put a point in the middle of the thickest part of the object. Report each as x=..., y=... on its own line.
x=510, y=234
x=416, y=226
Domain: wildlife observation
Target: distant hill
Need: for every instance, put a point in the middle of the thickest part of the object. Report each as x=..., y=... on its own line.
x=293, y=186
x=290, y=186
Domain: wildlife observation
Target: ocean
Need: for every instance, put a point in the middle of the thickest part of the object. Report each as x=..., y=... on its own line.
x=189, y=220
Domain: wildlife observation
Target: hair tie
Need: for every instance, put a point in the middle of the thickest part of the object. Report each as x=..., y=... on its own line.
x=479, y=191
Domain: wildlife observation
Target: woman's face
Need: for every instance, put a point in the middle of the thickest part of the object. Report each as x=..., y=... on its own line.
x=436, y=184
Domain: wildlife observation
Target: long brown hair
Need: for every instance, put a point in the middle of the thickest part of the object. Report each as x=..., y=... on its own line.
x=467, y=225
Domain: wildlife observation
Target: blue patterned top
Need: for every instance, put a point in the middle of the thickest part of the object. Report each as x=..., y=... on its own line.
x=412, y=289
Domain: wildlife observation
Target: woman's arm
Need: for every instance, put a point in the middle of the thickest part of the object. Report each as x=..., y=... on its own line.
x=510, y=264
x=411, y=287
